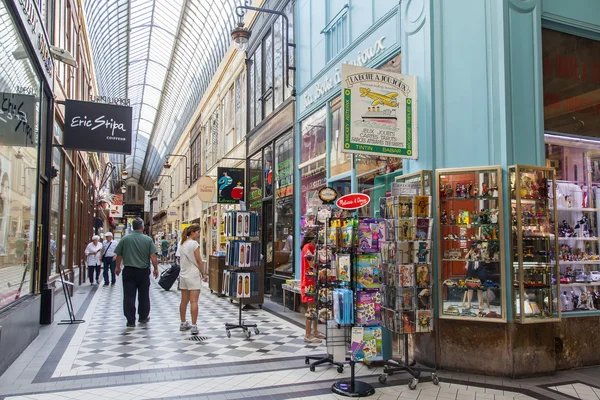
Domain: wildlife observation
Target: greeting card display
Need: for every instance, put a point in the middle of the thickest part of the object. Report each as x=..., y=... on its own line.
x=368, y=271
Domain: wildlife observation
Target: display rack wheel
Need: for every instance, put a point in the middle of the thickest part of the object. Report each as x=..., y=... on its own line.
x=417, y=374
x=383, y=378
x=340, y=369
x=228, y=334
x=306, y=361
x=248, y=334
x=412, y=384
x=231, y=301
x=256, y=331
x=435, y=379
x=312, y=368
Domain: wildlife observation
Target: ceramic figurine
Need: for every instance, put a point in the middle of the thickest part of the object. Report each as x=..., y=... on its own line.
x=442, y=191
x=448, y=190
x=543, y=188
x=444, y=217
x=452, y=218
x=458, y=190
x=484, y=190
x=459, y=218
x=474, y=217
x=463, y=191
x=494, y=216
x=470, y=189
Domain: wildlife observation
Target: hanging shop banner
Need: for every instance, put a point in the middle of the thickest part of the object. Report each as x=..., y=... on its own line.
x=206, y=189
x=97, y=127
x=353, y=201
x=230, y=185
x=380, y=112
x=116, y=206
x=17, y=120
x=147, y=201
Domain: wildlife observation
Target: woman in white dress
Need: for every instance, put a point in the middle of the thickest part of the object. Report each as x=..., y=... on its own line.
x=190, y=276
x=93, y=252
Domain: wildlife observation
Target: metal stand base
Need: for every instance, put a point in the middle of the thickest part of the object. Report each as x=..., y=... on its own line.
x=349, y=388
x=393, y=366
x=321, y=361
x=69, y=322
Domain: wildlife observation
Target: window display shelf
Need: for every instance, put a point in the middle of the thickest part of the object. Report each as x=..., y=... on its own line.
x=534, y=238
x=576, y=209
x=590, y=262
x=470, y=246
x=579, y=284
x=581, y=239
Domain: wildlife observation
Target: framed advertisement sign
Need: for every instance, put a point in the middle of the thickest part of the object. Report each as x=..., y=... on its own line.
x=116, y=206
x=97, y=127
x=380, y=112
x=230, y=185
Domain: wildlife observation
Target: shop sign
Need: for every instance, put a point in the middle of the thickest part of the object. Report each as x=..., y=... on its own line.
x=353, y=201
x=405, y=188
x=172, y=214
x=364, y=55
x=205, y=189
x=285, y=191
x=97, y=127
x=328, y=195
x=230, y=185
x=133, y=210
x=30, y=16
x=380, y=112
x=17, y=120
x=147, y=201
x=116, y=206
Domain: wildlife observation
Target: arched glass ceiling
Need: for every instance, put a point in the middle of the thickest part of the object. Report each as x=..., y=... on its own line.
x=161, y=54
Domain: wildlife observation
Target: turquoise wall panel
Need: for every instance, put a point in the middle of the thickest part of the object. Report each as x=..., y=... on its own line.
x=525, y=134
x=382, y=7
x=318, y=51
x=584, y=14
x=361, y=18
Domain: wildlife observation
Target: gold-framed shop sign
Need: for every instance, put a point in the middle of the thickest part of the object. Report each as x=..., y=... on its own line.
x=380, y=112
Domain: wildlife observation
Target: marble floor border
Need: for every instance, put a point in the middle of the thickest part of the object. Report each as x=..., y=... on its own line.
x=49, y=366
x=547, y=386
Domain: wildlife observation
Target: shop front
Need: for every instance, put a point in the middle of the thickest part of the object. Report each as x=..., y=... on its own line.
x=26, y=89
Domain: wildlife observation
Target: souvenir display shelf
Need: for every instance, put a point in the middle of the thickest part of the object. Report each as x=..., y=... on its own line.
x=534, y=238
x=423, y=178
x=237, y=263
x=407, y=285
x=325, y=282
x=578, y=253
x=471, y=278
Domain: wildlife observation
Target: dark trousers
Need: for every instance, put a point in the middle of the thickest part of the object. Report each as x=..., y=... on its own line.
x=91, y=269
x=136, y=281
x=109, y=264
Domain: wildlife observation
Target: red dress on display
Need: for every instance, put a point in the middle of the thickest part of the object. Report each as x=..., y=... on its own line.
x=307, y=280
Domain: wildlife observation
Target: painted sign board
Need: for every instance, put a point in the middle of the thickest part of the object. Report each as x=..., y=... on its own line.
x=380, y=112
x=353, y=201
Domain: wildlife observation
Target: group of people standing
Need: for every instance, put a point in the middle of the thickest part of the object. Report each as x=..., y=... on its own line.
x=134, y=255
x=102, y=253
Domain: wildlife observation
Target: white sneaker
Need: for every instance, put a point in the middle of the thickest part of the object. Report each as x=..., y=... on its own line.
x=195, y=330
x=184, y=326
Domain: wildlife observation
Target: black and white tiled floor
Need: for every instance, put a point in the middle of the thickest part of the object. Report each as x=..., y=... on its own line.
x=105, y=344
x=102, y=359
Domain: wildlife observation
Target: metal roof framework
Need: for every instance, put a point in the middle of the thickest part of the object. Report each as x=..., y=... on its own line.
x=162, y=55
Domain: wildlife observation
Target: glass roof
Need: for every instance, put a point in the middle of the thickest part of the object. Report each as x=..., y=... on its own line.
x=161, y=54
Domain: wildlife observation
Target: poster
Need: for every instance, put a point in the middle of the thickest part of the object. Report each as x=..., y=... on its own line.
x=18, y=120
x=116, y=206
x=230, y=185
x=380, y=112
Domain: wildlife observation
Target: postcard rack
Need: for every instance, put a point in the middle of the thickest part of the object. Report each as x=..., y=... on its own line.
x=407, y=287
x=241, y=278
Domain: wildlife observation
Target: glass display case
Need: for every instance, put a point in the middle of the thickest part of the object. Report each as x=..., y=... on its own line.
x=577, y=173
x=534, y=240
x=423, y=178
x=470, y=249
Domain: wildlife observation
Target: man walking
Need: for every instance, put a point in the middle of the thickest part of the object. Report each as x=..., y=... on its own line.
x=164, y=244
x=136, y=251
x=109, y=258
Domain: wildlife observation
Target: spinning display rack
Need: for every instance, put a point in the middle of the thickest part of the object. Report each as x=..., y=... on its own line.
x=407, y=287
x=242, y=259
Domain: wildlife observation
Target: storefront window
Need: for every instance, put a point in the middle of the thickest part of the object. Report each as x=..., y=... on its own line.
x=19, y=133
x=284, y=205
x=55, y=209
x=255, y=180
x=258, y=84
x=268, y=172
x=66, y=223
x=312, y=179
x=571, y=66
x=375, y=177
x=313, y=136
x=339, y=162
